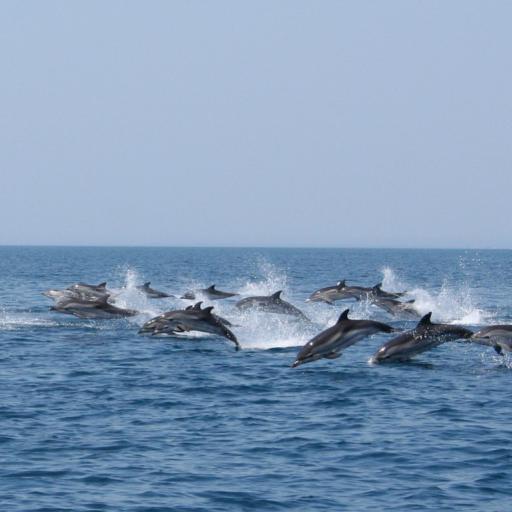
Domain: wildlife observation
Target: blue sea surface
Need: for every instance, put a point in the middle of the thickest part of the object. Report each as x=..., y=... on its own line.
x=94, y=417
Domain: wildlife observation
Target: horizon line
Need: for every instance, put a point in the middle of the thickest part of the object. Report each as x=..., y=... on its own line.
x=319, y=247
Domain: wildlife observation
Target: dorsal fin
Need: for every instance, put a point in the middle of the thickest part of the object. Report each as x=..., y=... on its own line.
x=378, y=286
x=197, y=305
x=102, y=285
x=188, y=308
x=425, y=320
x=211, y=288
x=341, y=284
x=146, y=285
x=276, y=295
x=343, y=316
x=410, y=301
x=208, y=310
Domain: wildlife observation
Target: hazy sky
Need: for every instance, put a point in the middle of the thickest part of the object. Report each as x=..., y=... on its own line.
x=288, y=123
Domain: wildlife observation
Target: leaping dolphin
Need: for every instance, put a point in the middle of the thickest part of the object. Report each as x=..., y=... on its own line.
x=425, y=336
x=93, y=309
x=270, y=304
x=151, y=292
x=330, y=294
x=191, y=319
x=397, y=308
x=341, y=291
x=329, y=343
x=210, y=293
x=81, y=292
x=497, y=336
x=377, y=291
x=222, y=320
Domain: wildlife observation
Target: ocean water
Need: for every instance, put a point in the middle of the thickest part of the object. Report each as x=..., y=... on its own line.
x=95, y=417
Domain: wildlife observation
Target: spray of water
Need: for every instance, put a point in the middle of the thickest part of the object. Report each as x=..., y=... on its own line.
x=130, y=297
x=451, y=304
x=272, y=279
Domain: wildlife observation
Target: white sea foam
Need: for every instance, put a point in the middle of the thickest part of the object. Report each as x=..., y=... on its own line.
x=130, y=297
x=272, y=280
x=451, y=304
x=12, y=321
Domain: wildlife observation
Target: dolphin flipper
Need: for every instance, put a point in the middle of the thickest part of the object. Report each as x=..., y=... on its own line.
x=498, y=349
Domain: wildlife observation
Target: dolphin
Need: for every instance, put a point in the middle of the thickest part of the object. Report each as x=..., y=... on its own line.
x=184, y=320
x=96, y=309
x=341, y=291
x=331, y=294
x=100, y=289
x=497, y=336
x=270, y=304
x=425, y=336
x=344, y=333
x=81, y=292
x=151, y=292
x=377, y=291
x=224, y=321
x=210, y=293
x=396, y=308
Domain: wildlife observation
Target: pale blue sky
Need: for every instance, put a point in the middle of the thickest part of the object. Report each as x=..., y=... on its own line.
x=288, y=123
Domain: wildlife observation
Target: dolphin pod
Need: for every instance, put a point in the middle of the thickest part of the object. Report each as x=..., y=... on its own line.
x=96, y=301
x=388, y=301
x=86, y=301
x=190, y=319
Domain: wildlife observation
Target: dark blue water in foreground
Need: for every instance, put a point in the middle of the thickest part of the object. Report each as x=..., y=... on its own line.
x=94, y=417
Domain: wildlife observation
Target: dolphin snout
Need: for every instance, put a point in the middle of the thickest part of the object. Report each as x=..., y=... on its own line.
x=296, y=363
x=230, y=336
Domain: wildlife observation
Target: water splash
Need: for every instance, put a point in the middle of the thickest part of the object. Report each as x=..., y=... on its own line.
x=391, y=282
x=130, y=297
x=265, y=331
x=273, y=279
x=451, y=304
